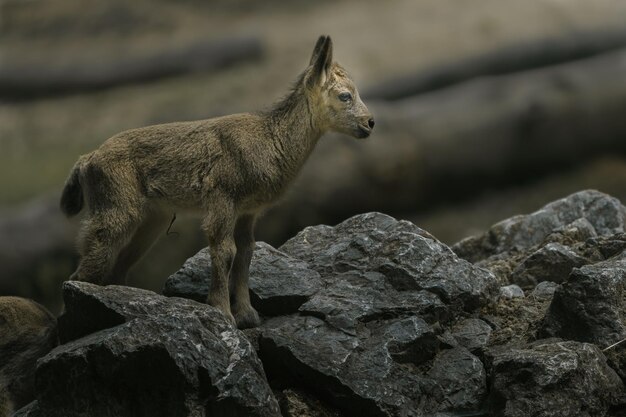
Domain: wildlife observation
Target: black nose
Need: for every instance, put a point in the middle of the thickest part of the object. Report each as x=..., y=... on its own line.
x=370, y=123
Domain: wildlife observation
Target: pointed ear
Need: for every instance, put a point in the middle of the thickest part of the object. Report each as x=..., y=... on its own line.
x=321, y=61
x=316, y=50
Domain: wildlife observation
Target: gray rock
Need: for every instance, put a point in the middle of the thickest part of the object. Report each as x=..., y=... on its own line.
x=369, y=289
x=409, y=258
x=604, y=213
x=133, y=352
x=511, y=291
x=279, y=284
x=29, y=410
x=545, y=290
x=462, y=377
x=297, y=403
x=356, y=297
x=472, y=334
x=552, y=262
x=551, y=378
x=376, y=372
x=607, y=246
x=591, y=305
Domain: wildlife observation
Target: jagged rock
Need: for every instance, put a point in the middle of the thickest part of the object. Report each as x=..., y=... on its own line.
x=279, y=284
x=605, y=247
x=409, y=258
x=553, y=262
x=511, y=291
x=591, y=305
x=472, y=334
x=366, y=334
x=371, y=317
x=27, y=332
x=551, y=378
x=29, y=410
x=377, y=372
x=545, y=290
x=374, y=296
x=583, y=228
x=604, y=213
x=132, y=352
x=462, y=377
x=380, y=265
x=295, y=403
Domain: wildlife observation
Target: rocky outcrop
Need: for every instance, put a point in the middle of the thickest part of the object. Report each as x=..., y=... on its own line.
x=590, y=306
x=362, y=306
x=130, y=352
x=552, y=378
x=372, y=317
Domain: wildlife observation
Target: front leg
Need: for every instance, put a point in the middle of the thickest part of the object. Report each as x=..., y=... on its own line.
x=245, y=315
x=219, y=227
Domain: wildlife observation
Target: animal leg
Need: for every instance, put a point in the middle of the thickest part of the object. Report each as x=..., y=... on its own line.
x=219, y=227
x=143, y=239
x=245, y=315
x=102, y=238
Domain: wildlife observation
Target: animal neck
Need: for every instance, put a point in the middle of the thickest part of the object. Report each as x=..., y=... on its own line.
x=295, y=131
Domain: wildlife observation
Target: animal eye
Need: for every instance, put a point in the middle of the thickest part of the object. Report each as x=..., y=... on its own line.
x=345, y=96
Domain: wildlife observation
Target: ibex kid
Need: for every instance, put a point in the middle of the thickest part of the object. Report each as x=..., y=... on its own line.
x=229, y=169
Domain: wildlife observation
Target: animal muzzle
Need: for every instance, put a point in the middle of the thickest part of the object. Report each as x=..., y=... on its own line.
x=365, y=128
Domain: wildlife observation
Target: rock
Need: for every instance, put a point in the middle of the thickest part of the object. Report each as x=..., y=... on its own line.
x=553, y=262
x=472, y=334
x=616, y=358
x=462, y=377
x=368, y=337
x=377, y=372
x=604, y=213
x=27, y=332
x=372, y=317
x=511, y=291
x=591, y=305
x=607, y=246
x=372, y=296
x=356, y=297
x=30, y=410
x=544, y=290
x=409, y=258
x=551, y=378
x=294, y=403
x=279, y=284
x=132, y=352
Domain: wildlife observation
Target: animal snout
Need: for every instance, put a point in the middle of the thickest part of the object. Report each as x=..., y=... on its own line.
x=370, y=122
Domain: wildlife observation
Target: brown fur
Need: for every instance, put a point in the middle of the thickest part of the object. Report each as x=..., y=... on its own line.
x=228, y=169
x=27, y=332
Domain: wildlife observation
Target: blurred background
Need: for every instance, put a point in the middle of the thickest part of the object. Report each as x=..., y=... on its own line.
x=484, y=109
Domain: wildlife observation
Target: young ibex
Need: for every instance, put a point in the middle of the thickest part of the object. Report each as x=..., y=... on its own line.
x=229, y=168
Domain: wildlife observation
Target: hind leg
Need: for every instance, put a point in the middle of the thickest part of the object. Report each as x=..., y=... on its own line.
x=103, y=236
x=146, y=234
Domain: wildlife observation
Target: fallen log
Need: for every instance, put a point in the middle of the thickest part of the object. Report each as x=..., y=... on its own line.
x=508, y=59
x=23, y=79
x=455, y=143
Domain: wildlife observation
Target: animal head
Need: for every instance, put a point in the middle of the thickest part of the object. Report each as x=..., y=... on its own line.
x=334, y=95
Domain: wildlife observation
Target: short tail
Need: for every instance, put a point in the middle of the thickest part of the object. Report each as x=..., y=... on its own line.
x=72, y=196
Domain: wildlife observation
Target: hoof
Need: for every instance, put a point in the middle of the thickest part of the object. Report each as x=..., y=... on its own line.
x=225, y=309
x=246, y=317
